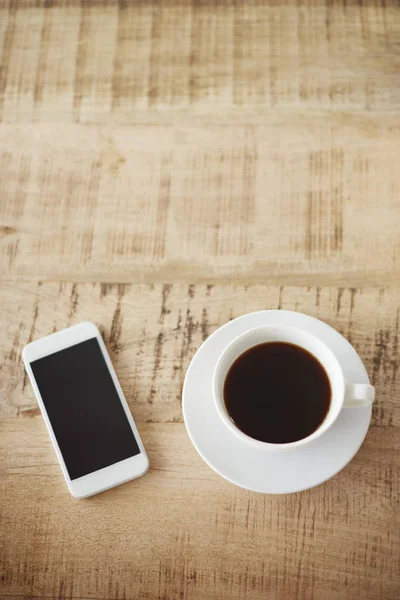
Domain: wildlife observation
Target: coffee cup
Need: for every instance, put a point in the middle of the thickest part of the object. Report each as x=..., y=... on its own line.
x=344, y=394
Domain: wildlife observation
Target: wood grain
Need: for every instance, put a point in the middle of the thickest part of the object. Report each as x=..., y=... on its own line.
x=281, y=546
x=164, y=167
x=282, y=202
x=81, y=62
x=153, y=330
x=182, y=531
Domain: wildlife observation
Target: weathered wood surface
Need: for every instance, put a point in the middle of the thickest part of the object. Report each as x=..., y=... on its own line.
x=183, y=532
x=79, y=61
x=153, y=330
x=182, y=529
x=165, y=167
x=284, y=201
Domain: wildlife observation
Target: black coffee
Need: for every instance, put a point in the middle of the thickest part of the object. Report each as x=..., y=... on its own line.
x=277, y=392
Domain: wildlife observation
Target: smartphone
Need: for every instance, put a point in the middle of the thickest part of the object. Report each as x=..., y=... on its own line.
x=88, y=419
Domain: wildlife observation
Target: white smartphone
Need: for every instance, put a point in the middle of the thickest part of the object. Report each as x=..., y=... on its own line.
x=83, y=405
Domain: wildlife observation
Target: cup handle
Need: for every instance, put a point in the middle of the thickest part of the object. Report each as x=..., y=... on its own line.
x=359, y=394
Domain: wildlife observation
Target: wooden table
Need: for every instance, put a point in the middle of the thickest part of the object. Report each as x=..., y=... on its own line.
x=164, y=168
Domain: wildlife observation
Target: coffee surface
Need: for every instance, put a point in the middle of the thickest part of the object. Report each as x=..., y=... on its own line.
x=277, y=392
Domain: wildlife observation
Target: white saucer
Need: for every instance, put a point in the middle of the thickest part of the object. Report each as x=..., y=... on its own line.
x=257, y=470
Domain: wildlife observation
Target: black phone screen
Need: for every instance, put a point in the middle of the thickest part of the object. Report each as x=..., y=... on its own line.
x=84, y=408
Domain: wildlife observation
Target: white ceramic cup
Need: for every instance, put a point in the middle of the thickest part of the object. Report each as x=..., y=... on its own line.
x=344, y=394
